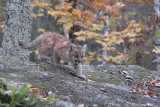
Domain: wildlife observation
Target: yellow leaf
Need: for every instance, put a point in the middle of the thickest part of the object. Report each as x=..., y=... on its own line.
x=52, y=12
x=41, y=30
x=62, y=20
x=91, y=58
x=69, y=25
x=34, y=15
x=100, y=42
x=81, y=38
x=61, y=61
x=87, y=62
x=138, y=30
x=76, y=12
x=91, y=53
x=41, y=10
x=36, y=52
x=80, y=33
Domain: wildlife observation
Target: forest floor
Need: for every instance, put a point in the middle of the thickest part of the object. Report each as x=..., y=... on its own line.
x=106, y=86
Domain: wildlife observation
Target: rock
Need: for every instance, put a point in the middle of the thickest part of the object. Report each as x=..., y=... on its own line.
x=128, y=77
x=149, y=105
x=104, y=70
x=80, y=91
x=125, y=72
x=63, y=104
x=131, y=71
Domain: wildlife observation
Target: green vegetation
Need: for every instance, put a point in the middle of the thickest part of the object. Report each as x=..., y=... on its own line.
x=11, y=96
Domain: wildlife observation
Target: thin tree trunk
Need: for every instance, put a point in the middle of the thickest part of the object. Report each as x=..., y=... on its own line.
x=106, y=32
x=157, y=41
x=17, y=28
x=64, y=25
x=122, y=27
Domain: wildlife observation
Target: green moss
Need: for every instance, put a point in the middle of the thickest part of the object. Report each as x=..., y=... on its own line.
x=111, y=79
x=103, y=78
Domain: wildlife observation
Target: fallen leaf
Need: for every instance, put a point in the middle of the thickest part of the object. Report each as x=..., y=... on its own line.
x=36, y=91
x=30, y=86
x=89, y=81
x=147, y=53
x=102, y=89
x=92, y=71
x=151, y=94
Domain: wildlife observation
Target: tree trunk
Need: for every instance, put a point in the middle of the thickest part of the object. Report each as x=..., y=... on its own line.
x=106, y=32
x=157, y=41
x=64, y=25
x=17, y=28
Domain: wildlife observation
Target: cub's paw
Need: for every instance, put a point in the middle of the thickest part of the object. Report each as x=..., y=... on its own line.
x=82, y=77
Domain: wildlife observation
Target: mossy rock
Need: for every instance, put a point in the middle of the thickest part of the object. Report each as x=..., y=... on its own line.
x=78, y=91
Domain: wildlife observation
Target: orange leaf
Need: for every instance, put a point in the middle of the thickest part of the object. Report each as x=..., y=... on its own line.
x=116, y=15
x=151, y=94
x=150, y=1
x=58, y=7
x=92, y=71
x=30, y=86
x=81, y=38
x=36, y=91
x=147, y=53
x=102, y=89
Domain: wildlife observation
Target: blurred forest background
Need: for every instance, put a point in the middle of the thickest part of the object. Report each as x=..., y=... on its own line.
x=136, y=12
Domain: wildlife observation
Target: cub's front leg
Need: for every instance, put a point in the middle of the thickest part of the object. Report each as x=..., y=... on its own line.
x=78, y=69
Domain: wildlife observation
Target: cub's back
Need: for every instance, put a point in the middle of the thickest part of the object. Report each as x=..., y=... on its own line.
x=57, y=38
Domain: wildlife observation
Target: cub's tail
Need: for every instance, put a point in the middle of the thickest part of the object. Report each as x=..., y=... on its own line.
x=33, y=44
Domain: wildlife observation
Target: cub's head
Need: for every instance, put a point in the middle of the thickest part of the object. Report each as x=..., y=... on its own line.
x=77, y=52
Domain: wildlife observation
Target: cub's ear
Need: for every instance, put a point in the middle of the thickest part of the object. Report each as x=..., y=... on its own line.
x=84, y=48
x=71, y=47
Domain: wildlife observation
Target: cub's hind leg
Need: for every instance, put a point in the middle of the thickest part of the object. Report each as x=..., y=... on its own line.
x=56, y=60
x=42, y=51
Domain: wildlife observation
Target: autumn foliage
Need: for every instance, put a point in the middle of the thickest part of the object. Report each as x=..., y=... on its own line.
x=90, y=16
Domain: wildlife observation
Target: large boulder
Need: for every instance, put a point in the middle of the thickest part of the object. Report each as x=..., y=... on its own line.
x=108, y=85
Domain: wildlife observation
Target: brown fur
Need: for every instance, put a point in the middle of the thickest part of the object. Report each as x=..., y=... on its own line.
x=58, y=47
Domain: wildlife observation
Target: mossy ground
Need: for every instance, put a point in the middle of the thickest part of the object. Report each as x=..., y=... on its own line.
x=49, y=78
